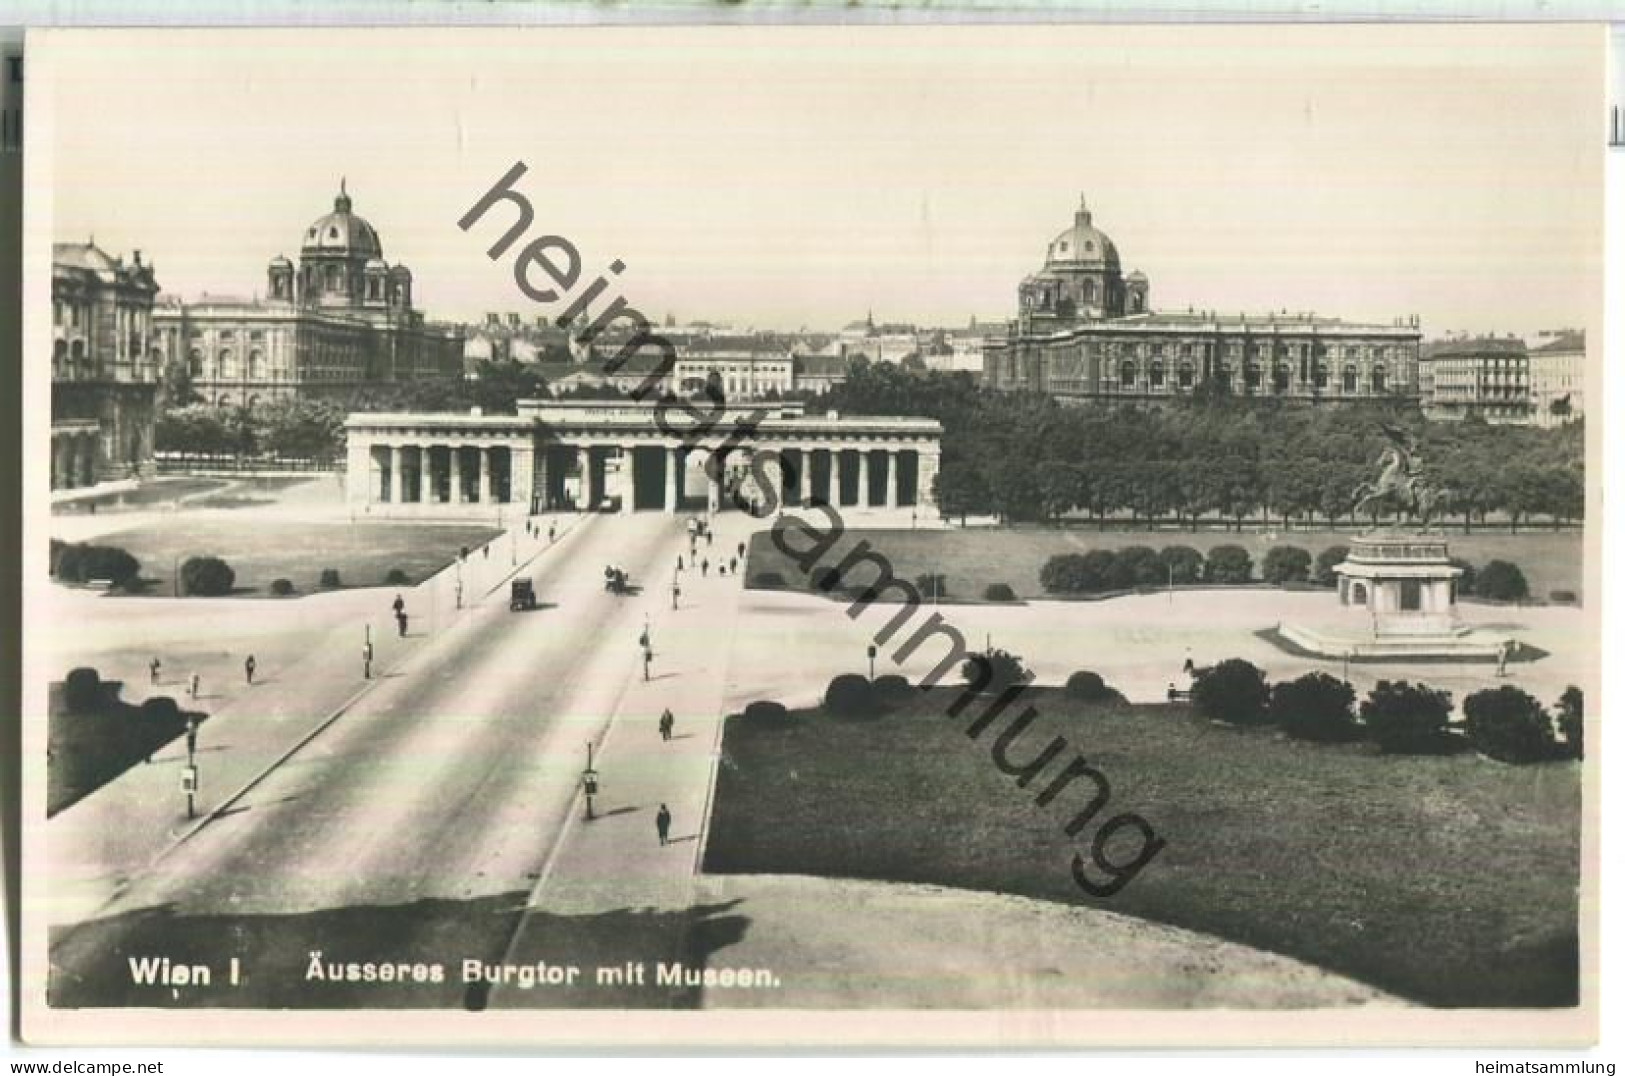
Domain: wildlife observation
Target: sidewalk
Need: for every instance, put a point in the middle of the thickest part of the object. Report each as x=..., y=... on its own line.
x=610, y=893
x=99, y=843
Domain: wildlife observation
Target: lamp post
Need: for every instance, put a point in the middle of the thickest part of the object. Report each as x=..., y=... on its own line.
x=589, y=781
x=871, y=661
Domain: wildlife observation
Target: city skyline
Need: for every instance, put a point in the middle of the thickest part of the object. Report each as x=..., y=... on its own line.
x=1368, y=176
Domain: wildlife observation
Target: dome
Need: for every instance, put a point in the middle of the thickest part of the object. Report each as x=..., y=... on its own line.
x=1082, y=244
x=281, y=262
x=1137, y=277
x=342, y=232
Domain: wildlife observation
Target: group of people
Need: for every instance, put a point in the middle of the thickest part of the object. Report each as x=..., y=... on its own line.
x=614, y=579
x=194, y=682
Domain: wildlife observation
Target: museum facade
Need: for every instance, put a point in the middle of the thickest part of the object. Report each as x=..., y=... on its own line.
x=1085, y=331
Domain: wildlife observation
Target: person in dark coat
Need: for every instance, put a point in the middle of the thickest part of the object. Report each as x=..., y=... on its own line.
x=248, y=668
x=663, y=824
x=666, y=724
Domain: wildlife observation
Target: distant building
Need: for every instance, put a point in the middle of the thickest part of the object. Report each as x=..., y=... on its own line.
x=341, y=320
x=105, y=369
x=1557, y=378
x=1483, y=376
x=820, y=373
x=1084, y=331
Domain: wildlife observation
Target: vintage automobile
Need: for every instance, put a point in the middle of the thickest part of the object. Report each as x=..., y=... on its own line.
x=521, y=595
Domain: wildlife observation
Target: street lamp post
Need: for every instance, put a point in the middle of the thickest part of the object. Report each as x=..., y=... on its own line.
x=589, y=781
x=871, y=661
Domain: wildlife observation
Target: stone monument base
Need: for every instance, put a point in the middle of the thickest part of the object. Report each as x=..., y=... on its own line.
x=1396, y=601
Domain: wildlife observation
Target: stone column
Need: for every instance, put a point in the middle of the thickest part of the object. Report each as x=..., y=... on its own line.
x=628, y=478
x=396, y=492
x=891, y=478
x=863, y=478
x=674, y=479
x=926, y=475
x=456, y=474
x=794, y=478
x=713, y=483
x=485, y=462
x=425, y=490
x=584, y=462
x=522, y=471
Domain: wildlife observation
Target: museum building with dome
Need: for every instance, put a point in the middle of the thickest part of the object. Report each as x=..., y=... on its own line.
x=1085, y=331
x=342, y=318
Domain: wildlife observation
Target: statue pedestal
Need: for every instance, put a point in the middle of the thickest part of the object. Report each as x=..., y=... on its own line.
x=1396, y=600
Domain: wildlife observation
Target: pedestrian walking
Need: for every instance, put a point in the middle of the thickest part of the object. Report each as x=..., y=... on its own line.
x=485, y=550
x=154, y=669
x=705, y=566
x=733, y=565
x=722, y=569
x=191, y=737
x=1501, y=656
x=550, y=532
x=676, y=592
x=1190, y=664
x=400, y=621
x=648, y=657
x=666, y=723
x=248, y=668
x=192, y=685
x=741, y=550
x=679, y=562
x=709, y=537
x=663, y=824
x=399, y=605
x=366, y=662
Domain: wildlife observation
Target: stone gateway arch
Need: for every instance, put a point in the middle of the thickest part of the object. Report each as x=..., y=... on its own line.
x=589, y=455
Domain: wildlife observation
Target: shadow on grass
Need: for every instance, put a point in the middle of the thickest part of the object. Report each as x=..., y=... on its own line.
x=92, y=745
x=319, y=960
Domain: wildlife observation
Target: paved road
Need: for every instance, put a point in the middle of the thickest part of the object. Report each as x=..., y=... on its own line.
x=405, y=838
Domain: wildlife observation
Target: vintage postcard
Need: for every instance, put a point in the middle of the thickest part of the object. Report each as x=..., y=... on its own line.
x=810, y=535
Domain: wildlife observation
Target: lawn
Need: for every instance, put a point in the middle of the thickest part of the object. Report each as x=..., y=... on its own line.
x=975, y=557
x=1447, y=880
x=261, y=550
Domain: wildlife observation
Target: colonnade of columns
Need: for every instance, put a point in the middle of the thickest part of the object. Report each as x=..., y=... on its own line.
x=74, y=459
x=441, y=473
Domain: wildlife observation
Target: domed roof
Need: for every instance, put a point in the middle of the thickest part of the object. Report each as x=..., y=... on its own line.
x=342, y=232
x=1082, y=244
x=281, y=262
x=1137, y=276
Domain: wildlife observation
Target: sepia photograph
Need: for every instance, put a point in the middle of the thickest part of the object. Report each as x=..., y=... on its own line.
x=930, y=535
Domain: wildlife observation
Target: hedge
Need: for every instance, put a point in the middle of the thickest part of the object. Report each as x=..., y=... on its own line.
x=207, y=577
x=999, y=592
x=1406, y=719
x=1234, y=690
x=1089, y=687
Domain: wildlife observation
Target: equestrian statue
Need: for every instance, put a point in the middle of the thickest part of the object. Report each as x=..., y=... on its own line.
x=1403, y=486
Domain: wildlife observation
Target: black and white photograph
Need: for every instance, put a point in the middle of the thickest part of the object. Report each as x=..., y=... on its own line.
x=911, y=535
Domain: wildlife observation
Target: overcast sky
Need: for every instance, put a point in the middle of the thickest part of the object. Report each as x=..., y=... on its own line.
x=789, y=177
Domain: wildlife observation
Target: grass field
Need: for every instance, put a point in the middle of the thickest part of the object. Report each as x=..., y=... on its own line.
x=975, y=557
x=1448, y=880
x=261, y=550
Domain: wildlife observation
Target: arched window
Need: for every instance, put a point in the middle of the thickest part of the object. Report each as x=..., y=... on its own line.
x=194, y=363
x=1088, y=291
x=1156, y=374
x=225, y=366
x=59, y=351
x=1136, y=303
x=1126, y=375
x=1282, y=378
x=1351, y=378
x=77, y=351
x=332, y=278
x=256, y=364
x=1379, y=378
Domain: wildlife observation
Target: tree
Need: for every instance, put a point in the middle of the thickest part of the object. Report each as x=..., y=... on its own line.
x=961, y=489
x=1402, y=718
x=1180, y=564
x=1061, y=488
x=1089, y=687
x=1325, y=561
x=207, y=577
x=1229, y=565
x=1501, y=580
x=1315, y=707
x=1571, y=720
x=1001, y=669
x=1509, y=725
x=1233, y=691
x=1133, y=566
x=1286, y=564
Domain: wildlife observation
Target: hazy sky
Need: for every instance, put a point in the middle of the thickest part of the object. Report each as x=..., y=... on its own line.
x=787, y=177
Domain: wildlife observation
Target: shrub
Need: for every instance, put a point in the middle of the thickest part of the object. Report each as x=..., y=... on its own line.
x=1325, y=561
x=1185, y=562
x=767, y=712
x=1502, y=581
x=207, y=577
x=82, y=691
x=851, y=695
x=767, y=581
x=1571, y=714
x=1077, y=573
x=282, y=587
x=1089, y=687
x=891, y=688
x=1406, y=719
x=67, y=563
x=397, y=578
x=1509, y=725
x=1286, y=564
x=110, y=562
x=330, y=579
x=999, y=592
x=1315, y=707
x=999, y=668
x=826, y=579
x=1134, y=566
x=931, y=585
x=1467, y=581
x=1233, y=690
x=1229, y=565
x=1564, y=597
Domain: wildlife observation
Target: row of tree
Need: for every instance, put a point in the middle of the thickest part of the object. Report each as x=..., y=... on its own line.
x=1026, y=457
